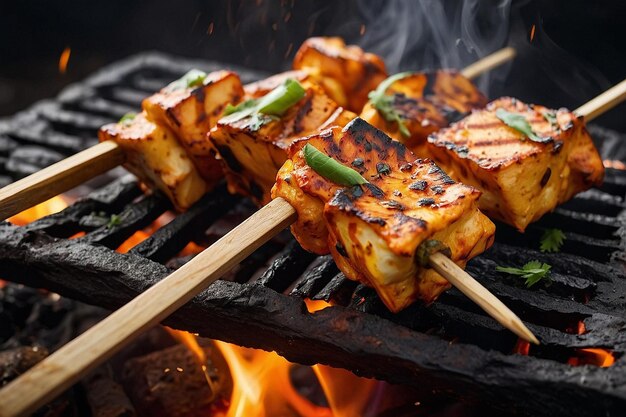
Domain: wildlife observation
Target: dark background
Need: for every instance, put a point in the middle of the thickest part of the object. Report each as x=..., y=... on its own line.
x=577, y=51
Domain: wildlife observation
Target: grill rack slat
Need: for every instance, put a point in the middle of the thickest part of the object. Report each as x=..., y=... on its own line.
x=451, y=345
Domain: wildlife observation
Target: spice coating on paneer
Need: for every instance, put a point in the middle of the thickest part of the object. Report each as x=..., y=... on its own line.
x=521, y=179
x=346, y=72
x=154, y=155
x=373, y=230
x=252, y=153
x=425, y=102
x=191, y=111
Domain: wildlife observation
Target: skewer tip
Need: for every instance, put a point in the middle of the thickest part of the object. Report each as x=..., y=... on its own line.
x=524, y=332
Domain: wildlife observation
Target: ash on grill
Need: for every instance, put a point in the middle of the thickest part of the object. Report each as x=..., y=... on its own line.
x=449, y=349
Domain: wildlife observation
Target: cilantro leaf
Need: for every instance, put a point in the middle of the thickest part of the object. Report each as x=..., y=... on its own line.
x=552, y=240
x=384, y=102
x=532, y=272
x=331, y=169
x=519, y=123
x=115, y=220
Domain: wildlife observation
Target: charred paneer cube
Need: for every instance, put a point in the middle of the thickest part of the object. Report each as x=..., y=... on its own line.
x=155, y=156
x=525, y=158
x=346, y=72
x=376, y=231
x=411, y=106
x=253, y=148
x=190, y=107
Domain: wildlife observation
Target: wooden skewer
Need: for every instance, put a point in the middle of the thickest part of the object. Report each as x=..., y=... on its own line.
x=603, y=103
x=60, y=370
x=489, y=62
x=481, y=296
x=58, y=178
x=98, y=159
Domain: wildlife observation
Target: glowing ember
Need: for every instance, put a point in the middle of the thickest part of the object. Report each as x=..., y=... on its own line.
x=315, y=305
x=191, y=249
x=592, y=356
x=522, y=347
x=615, y=164
x=362, y=30
x=54, y=205
x=64, y=59
x=532, y=33
x=141, y=235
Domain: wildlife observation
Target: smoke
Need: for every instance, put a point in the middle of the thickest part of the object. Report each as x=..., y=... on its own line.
x=428, y=34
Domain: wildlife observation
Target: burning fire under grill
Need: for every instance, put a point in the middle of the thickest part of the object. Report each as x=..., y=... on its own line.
x=285, y=333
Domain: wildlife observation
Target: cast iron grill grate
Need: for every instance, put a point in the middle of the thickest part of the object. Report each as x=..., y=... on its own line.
x=449, y=348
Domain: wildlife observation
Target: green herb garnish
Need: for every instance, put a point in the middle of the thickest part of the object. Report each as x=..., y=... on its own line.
x=519, y=123
x=533, y=272
x=384, y=102
x=329, y=168
x=273, y=104
x=550, y=117
x=115, y=220
x=193, y=78
x=552, y=240
x=127, y=118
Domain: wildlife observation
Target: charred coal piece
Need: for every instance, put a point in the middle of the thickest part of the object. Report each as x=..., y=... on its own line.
x=172, y=383
x=14, y=362
x=106, y=397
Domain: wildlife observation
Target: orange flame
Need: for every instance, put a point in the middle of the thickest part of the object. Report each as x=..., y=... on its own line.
x=262, y=386
x=347, y=395
x=532, y=33
x=64, y=59
x=54, y=205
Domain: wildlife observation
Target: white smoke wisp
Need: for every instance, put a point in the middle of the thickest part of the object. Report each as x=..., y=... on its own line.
x=427, y=34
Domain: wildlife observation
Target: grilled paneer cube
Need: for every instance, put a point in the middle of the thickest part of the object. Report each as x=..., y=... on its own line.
x=424, y=102
x=253, y=148
x=154, y=155
x=521, y=178
x=373, y=231
x=190, y=107
x=346, y=72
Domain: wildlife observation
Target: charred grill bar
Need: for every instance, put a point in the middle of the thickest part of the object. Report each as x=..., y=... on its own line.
x=450, y=348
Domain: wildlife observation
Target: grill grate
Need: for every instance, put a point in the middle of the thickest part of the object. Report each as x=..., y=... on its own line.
x=450, y=348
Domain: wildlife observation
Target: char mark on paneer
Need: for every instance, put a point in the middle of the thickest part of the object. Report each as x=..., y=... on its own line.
x=526, y=170
x=190, y=107
x=411, y=106
x=375, y=231
x=167, y=145
x=253, y=146
x=346, y=72
x=155, y=156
